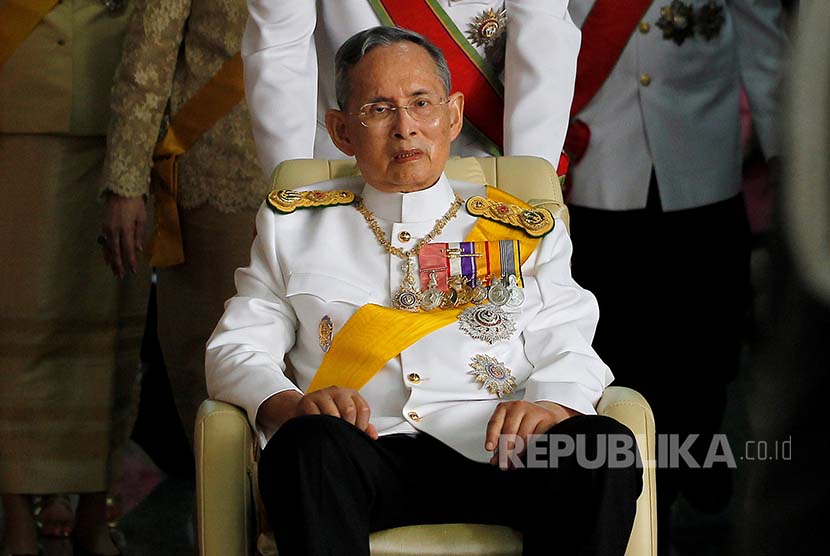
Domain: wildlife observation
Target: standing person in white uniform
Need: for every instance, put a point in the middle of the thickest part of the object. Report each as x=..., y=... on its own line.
x=527, y=49
x=400, y=374
x=656, y=156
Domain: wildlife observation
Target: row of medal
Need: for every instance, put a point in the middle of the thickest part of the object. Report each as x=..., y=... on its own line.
x=500, y=292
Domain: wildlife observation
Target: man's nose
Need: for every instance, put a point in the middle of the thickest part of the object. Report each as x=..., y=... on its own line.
x=403, y=124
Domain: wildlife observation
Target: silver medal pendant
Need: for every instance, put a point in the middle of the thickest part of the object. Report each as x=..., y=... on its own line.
x=493, y=375
x=486, y=322
x=498, y=294
x=431, y=298
x=479, y=295
x=515, y=295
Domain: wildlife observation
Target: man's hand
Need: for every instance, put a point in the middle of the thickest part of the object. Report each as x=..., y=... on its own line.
x=344, y=403
x=123, y=232
x=520, y=419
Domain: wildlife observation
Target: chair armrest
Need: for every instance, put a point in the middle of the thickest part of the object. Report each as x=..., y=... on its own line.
x=224, y=448
x=630, y=408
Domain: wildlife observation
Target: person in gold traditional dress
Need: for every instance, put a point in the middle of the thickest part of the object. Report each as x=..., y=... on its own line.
x=69, y=335
x=172, y=50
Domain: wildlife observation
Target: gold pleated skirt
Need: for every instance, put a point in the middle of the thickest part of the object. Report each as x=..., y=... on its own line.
x=70, y=332
x=192, y=295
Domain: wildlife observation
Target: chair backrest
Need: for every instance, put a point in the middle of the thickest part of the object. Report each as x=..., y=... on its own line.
x=529, y=178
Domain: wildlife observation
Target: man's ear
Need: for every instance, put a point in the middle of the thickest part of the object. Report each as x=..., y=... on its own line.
x=337, y=127
x=456, y=105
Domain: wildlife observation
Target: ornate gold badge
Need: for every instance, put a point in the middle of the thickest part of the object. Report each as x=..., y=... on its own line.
x=536, y=222
x=487, y=27
x=493, y=375
x=286, y=201
x=326, y=331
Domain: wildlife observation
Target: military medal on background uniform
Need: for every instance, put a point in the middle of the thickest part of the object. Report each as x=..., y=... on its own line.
x=488, y=30
x=487, y=27
x=493, y=375
x=679, y=22
x=709, y=20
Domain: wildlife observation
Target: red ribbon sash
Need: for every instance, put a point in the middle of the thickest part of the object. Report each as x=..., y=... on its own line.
x=605, y=32
x=604, y=35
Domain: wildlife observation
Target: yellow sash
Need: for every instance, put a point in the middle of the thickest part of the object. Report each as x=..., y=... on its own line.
x=18, y=18
x=376, y=334
x=208, y=105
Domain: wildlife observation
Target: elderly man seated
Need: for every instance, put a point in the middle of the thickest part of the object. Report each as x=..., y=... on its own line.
x=434, y=328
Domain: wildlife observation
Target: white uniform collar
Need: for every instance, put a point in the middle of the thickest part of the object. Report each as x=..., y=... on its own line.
x=419, y=206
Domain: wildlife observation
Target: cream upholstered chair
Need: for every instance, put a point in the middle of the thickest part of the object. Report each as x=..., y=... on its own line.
x=227, y=503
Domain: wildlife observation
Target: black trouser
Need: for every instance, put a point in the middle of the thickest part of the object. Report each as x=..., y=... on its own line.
x=672, y=288
x=326, y=486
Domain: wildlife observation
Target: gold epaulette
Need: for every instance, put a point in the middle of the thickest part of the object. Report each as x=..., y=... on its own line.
x=534, y=221
x=286, y=201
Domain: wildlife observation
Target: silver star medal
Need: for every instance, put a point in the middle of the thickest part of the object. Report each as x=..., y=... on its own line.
x=492, y=375
x=489, y=323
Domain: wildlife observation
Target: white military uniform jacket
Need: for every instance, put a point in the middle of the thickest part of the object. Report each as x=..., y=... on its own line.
x=676, y=108
x=326, y=262
x=289, y=48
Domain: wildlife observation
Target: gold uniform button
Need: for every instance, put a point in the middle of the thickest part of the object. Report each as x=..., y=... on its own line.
x=414, y=378
x=414, y=416
x=404, y=236
x=645, y=80
x=644, y=27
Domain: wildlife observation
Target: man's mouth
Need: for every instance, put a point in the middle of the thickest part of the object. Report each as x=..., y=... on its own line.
x=407, y=155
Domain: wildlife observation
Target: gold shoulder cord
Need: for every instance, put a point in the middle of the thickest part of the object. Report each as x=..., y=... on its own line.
x=535, y=222
x=286, y=201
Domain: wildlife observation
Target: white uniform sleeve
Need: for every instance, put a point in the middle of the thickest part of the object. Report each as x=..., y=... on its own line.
x=245, y=354
x=558, y=341
x=281, y=78
x=762, y=45
x=540, y=70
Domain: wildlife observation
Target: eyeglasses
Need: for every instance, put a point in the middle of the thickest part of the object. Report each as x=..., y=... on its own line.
x=379, y=114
